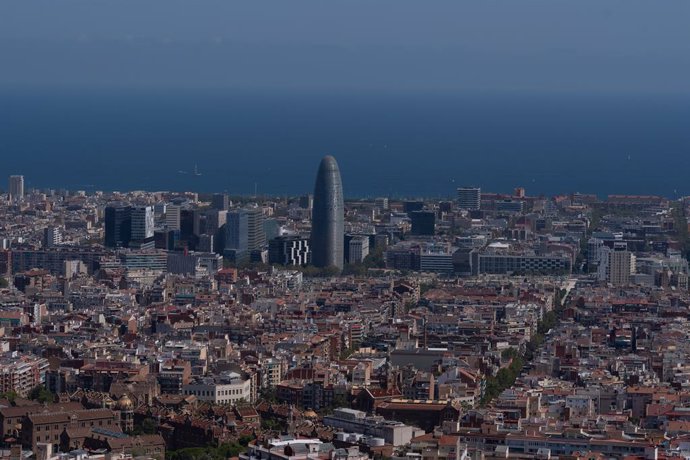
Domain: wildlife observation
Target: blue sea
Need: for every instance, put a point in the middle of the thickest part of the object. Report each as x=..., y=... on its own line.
x=398, y=145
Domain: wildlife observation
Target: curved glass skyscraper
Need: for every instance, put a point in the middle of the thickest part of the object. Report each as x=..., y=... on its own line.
x=327, y=216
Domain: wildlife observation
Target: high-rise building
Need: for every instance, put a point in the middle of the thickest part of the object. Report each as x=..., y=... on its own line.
x=166, y=239
x=237, y=235
x=256, y=236
x=469, y=198
x=411, y=206
x=213, y=221
x=306, y=201
x=244, y=233
x=190, y=221
x=271, y=228
x=172, y=216
x=358, y=249
x=220, y=201
x=289, y=250
x=617, y=264
x=142, y=222
x=16, y=188
x=118, y=225
x=328, y=216
x=206, y=243
x=52, y=236
x=423, y=222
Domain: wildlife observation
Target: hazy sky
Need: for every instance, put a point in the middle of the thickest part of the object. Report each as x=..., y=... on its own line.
x=510, y=45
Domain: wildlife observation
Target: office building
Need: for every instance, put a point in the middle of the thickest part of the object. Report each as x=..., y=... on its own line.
x=142, y=222
x=381, y=203
x=212, y=221
x=327, y=232
x=144, y=260
x=437, y=258
x=356, y=248
x=510, y=206
x=423, y=222
x=616, y=264
x=289, y=250
x=206, y=243
x=190, y=221
x=172, y=216
x=220, y=202
x=237, y=235
x=166, y=239
x=411, y=206
x=256, y=236
x=271, y=228
x=16, y=188
x=306, y=201
x=118, y=226
x=469, y=198
x=497, y=263
x=52, y=236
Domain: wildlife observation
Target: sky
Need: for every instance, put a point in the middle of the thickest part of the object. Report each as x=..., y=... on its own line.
x=374, y=45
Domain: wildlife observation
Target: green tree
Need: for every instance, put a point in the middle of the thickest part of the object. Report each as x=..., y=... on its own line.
x=147, y=426
x=11, y=396
x=41, y=394
x=268, y=394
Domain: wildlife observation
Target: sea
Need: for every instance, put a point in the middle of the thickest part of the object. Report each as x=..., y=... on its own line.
x=399, y=144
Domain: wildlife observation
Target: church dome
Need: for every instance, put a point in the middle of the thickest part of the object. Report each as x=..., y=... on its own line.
x=124, y=403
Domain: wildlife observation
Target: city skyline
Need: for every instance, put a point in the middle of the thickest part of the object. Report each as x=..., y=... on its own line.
x=389, y=230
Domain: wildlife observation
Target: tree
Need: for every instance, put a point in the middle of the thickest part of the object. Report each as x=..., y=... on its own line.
x=354, y=269
x=375, y=259
x=221, y=452
x=245, y=440
x=11, y=396
x=268, y=394
x=41, y=394
x=148, y=426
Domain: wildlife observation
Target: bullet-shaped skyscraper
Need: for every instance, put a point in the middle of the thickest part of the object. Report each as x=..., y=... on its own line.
x=327, y=230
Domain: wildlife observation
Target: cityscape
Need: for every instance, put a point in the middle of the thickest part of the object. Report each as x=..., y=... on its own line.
x=185, y=325
x=344, y=230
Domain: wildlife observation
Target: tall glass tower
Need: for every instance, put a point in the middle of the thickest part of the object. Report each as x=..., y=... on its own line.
x=328, y=213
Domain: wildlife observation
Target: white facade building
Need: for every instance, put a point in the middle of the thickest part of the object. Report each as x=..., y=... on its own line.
x=358, y=249
x=227, y=389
